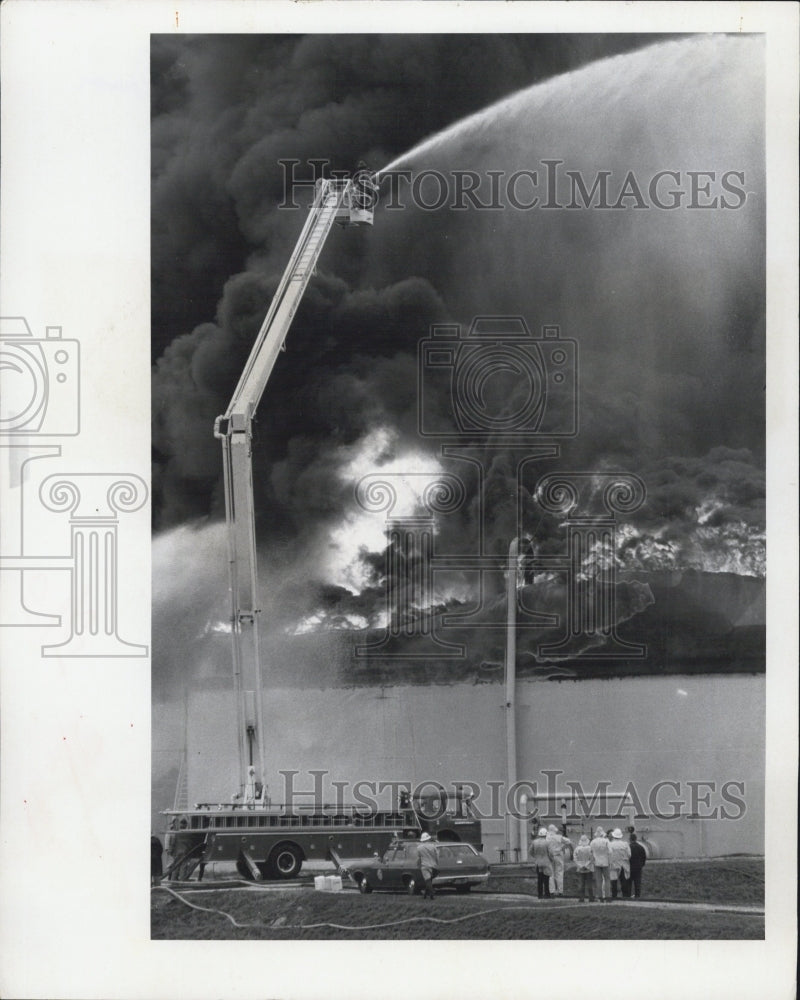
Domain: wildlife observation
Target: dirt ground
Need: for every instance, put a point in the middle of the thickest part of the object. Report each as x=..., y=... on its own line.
x=707, y=888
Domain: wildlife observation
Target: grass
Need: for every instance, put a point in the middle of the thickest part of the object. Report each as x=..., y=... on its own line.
x=737, y=881
x=298, y=914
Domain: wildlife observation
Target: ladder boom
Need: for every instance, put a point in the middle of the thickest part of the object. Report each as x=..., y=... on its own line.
x=325, y=209
x=349, y=202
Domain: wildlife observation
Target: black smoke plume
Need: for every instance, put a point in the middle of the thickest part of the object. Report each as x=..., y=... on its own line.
x=667, y=306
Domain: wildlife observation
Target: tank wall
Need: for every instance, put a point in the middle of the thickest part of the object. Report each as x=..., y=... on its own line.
x=706, y=730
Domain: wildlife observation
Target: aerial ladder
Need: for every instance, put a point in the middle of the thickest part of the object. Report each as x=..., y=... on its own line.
x=348, y=202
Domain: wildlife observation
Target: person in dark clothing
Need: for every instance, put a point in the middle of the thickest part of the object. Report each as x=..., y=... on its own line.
x=427, y=862
x=543, y=860
x=156, y=850
x=638, y=861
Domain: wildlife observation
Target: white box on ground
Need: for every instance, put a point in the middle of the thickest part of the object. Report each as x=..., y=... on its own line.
x=328, y=883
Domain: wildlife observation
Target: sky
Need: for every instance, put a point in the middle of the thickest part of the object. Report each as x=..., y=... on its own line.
x=666, y=306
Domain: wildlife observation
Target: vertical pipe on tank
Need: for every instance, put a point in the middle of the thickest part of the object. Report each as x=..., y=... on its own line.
x=523, y=828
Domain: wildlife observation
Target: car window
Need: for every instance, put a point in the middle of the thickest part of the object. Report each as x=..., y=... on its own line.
x=462, y=851
x=401, y=854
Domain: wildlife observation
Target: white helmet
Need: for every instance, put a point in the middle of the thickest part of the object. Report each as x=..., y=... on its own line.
x=425, y=836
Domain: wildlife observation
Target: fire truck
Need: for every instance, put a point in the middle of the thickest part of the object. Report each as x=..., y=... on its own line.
x=272, y=842
x=266, y=840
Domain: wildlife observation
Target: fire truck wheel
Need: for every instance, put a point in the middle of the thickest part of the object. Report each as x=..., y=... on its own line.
x=285, y=861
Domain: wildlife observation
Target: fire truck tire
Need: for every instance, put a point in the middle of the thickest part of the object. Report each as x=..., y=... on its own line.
x=285, y=861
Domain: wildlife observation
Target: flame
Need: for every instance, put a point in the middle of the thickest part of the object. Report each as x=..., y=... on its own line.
x=700, y=538
x=214, y=628
x=320, y=621
x=735, y=547
x=362, y=531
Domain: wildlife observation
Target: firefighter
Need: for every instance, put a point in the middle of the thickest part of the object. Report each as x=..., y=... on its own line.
x=556, y=843
x=427, y=861
x=250, y=789
x=366, y=189
x=600, y=853
x=619, y=861
x=584, y=863
x=543, y=859
x=638, y=861
x=156, y=867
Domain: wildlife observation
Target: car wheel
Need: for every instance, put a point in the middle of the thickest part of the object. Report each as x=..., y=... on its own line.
x=363, y=886
x=285, y=861
x=411, y=886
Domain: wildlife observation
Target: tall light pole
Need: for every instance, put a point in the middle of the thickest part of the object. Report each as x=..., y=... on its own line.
x=512, y=827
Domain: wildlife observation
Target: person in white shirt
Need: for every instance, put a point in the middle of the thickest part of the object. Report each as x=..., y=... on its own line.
x=250, y=788
x=556, y=843
x=619, y=861
x=600, y=855
x=584, y=862
x=543, y=860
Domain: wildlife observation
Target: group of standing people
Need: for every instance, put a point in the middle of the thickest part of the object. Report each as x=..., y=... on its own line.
x=548, y=856
x=605, y=865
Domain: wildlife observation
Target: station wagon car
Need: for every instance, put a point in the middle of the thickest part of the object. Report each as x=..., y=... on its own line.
x=398, y=870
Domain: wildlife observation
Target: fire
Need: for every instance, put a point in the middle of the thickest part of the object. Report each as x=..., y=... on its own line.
x=362, y=531
x=215, y=628
x=735, y=547
x=703, y=536
x=319, y=621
